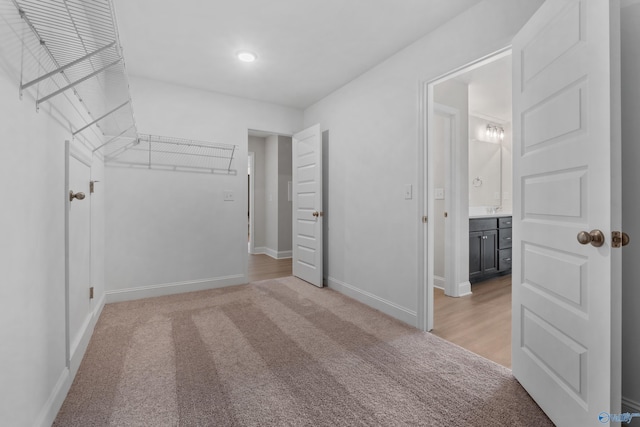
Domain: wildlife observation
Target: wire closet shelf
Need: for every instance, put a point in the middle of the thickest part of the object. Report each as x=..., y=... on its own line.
x=174, y=154
x=73, y=45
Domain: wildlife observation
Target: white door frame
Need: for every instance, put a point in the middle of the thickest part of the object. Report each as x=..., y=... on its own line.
x=252, y=201
x=425, y=196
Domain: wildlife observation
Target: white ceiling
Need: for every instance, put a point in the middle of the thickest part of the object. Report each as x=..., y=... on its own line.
x=306, y=48
x=490, y=89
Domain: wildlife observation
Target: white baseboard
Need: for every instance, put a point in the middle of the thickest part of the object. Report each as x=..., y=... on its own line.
x=78, y=349
x=385, y=306
x=150, y=291
x=631, y=406
x=464, y=289
x=285, y=254
x=272, y=253
x=55, y=400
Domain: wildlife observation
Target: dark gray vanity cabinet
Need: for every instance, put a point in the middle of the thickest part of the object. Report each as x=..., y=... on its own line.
x=489, y=247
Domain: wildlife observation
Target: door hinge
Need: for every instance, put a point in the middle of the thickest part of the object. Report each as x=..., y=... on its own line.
x=425, y=219
x=91, y=186
x=91, y=292
x=619, y=239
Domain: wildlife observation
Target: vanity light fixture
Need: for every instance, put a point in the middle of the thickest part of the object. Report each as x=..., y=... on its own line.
x=246, y=56
x=495, y=132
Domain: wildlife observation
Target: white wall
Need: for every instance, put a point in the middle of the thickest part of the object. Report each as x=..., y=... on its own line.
x=455, y=95
x=271, y=189
x=285, y=206
x=257, y=146
x=374, y=124
x=171, y=231
x=441, y=131
x=35, y=377
x=630, y=23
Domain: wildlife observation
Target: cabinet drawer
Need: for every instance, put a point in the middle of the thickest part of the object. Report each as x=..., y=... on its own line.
x=504, y=238
x=479, y=224
x=504, y=259
x=504, y=222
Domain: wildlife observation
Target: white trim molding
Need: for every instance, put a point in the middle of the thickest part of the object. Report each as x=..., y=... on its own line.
x=272, y=253
x=79, y=347
x=438, y=282
x=387, y=307
x=629, y=405
x=150, y=291
x=464, y=289
x=56, y=399
x=63, y=385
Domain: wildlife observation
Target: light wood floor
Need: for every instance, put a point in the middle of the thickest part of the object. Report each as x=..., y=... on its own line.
x=263, y=267
x=480, y=322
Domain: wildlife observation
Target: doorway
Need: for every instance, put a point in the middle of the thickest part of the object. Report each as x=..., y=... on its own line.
x=470, y=188
x=268, y=205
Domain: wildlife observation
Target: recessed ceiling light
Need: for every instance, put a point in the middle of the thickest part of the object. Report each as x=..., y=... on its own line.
x=246, y=56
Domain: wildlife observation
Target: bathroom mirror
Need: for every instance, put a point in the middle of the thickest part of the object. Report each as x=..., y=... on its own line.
x=489, y=165
x=485, y=167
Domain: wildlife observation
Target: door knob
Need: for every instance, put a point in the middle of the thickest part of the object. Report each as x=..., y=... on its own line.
x=595, y=237
x=79, y=195
x=316, y=214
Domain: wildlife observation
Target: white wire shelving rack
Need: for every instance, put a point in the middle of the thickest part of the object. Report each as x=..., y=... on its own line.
x=174, y=154
x=77, y=48
x=72, y=48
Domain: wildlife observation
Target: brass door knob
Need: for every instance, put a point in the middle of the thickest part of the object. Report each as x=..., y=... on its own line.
x=316, y=214
x=595, y=237
x=79, y=195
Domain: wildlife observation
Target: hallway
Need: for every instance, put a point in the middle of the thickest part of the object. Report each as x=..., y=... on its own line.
x=263, y=267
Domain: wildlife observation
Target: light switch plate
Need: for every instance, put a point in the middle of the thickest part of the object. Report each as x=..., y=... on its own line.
x=438, y=194
x=408, y=192
x=228, y=196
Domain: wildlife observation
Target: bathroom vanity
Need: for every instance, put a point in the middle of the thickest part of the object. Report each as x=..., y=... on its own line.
x=489, y=246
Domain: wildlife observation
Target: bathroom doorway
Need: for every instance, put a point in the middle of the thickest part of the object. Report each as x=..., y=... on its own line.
x=470, y=193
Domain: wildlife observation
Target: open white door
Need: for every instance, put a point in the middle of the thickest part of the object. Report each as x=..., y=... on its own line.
x=307, y=205
x=566, y=295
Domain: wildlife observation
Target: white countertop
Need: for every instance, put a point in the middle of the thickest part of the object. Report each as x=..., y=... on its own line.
x=488, y=215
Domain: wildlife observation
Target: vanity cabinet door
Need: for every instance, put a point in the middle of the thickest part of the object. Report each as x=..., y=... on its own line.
x=475, y=253
x=489, y=251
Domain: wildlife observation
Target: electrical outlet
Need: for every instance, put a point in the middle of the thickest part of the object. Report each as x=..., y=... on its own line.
x=228, y=196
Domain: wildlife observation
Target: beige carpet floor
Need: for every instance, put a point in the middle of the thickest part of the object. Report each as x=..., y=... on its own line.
x=281, y=353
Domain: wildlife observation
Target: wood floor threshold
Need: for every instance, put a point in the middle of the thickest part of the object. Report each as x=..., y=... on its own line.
x=480, y=322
